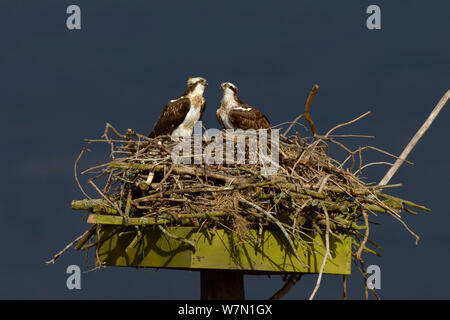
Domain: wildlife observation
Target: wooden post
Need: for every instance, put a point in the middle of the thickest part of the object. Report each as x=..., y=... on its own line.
x=221, y=285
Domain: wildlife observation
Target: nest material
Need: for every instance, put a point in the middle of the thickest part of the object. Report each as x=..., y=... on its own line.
x=143, y=181
x=311, y=192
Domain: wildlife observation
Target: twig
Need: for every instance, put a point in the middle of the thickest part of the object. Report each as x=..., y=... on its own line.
x=372, y=164
x=346, y=123
x=366, y=235
x=344, y=287
x=408, y=229
x=56, y=256
x=415, y=139
x=115, y=206
x=102, y=240
x=117, y=133
x=352, y=153
x=179, y=169
x=292, y=124
x=86, y=236
x=308, y=106
x=327, y=253
x=76, y=174
x=289, y=284
x=167, y=233
x=364, y=274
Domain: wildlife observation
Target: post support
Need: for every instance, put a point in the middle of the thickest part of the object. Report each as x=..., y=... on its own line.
x=221, y=285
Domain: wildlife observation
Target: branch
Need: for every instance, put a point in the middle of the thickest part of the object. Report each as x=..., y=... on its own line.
x=346, y=123
x=290, y=283
x=415, y=139
x=172, y=236
x=308, y=106
x=56, y=256
x=327, y=253
x=76, y=174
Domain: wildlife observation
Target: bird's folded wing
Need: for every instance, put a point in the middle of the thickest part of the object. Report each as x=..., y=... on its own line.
x=246, y=117
x=171, y=117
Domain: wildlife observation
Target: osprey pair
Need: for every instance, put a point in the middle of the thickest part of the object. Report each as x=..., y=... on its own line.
x=179, y=115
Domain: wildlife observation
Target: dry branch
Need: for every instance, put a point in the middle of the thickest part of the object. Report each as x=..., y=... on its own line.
x=415, y=139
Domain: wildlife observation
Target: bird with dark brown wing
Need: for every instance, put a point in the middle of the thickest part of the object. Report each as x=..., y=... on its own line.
x=179, y=115
x=233, y=114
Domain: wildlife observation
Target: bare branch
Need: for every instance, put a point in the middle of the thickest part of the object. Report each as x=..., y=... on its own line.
x=415, y=139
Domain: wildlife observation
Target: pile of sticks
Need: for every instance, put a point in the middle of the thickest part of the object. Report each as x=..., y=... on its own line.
x=145, y=183
x=311, y=192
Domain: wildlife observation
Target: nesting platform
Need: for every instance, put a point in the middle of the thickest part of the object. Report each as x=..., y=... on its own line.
x=220, y=250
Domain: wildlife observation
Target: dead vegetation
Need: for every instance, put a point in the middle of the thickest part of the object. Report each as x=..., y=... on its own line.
x=311, y=192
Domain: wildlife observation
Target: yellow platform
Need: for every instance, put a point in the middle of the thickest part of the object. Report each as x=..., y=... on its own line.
x=221, y=250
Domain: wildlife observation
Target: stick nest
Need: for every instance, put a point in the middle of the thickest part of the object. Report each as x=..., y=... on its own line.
x=142, y=181
x=311, y=192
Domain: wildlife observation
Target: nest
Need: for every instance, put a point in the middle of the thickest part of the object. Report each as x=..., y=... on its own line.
x=309, y=184
x=310, y=191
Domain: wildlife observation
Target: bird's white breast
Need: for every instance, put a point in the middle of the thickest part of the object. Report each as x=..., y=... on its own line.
x=227, y=103
x=186, y=127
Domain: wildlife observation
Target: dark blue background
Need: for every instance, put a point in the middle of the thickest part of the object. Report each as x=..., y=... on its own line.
x=59, y=87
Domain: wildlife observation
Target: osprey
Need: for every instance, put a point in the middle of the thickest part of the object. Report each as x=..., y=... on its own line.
x=179, y=115
x=233, y=114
